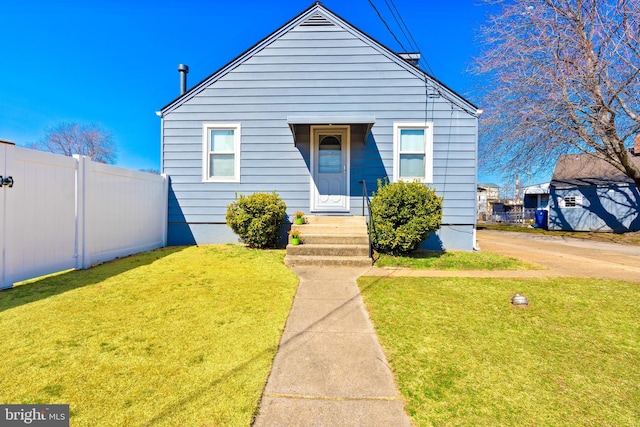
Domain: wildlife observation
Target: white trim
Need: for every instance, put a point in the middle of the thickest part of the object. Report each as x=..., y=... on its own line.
x=330, y=120
x=427, y=178
x=344, y=130
x=206, y=132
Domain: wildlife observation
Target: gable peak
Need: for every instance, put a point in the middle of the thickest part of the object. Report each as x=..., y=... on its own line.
x=318, y=19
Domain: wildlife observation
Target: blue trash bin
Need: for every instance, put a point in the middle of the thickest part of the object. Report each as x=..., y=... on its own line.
x=541, y=219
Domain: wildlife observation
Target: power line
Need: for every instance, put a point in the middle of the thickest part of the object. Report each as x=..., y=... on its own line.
x=412, y=42
x=410, y=38
x=386, y=25
x=402, y=27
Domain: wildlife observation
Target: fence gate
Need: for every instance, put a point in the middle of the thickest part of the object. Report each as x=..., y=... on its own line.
x=39, y=215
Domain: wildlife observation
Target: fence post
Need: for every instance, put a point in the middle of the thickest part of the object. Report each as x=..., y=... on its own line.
x=6, y=157
x=81, y=238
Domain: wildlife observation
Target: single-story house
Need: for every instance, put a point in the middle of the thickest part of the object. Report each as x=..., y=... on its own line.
x=310, y=112
x=588, y=194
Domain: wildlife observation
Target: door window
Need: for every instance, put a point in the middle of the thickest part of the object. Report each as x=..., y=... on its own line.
x=330, y=154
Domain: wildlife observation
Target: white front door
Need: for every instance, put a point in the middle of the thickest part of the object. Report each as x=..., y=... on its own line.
x=330, y=168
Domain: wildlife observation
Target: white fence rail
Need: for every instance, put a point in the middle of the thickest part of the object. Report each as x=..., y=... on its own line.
x=70, y=212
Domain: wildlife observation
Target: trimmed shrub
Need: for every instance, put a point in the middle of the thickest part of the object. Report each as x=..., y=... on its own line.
x=404, y=214
x=257, y=219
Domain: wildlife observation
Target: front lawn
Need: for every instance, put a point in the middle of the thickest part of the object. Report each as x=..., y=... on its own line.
x=174, y=337
x=464, y=356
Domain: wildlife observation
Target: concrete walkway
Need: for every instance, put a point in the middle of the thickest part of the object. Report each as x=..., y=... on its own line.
x=330, y=369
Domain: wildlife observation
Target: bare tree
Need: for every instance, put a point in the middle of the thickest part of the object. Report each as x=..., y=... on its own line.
x=563, y=77
x=73, y=138
x=150, y=170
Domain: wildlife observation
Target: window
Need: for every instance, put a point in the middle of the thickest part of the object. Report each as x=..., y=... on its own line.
x=221, y=152
x=571, y=202
x=330, y=154
x=413, y=151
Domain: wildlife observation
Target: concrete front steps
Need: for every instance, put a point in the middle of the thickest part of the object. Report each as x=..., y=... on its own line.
x=330, y=241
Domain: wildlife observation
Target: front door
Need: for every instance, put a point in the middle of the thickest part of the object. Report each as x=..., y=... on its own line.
x=330, y=168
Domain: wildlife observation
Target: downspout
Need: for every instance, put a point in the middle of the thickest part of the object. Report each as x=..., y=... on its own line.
x=165, y=220
x=475, y=239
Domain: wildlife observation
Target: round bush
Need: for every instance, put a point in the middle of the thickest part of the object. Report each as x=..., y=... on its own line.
x=404, y=213
x=257, y=219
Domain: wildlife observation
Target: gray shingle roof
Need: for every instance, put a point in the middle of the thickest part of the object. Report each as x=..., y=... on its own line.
x=584, y=169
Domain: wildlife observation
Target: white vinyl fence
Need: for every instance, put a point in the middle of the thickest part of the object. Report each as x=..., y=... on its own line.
x=58, y=213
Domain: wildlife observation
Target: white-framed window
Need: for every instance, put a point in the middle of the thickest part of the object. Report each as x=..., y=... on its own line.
x=221, y=152
x=413, y=151
x=571, y=202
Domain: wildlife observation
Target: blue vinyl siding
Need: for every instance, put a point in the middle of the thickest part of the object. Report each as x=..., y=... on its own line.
x=347, y=74
x=611, y=208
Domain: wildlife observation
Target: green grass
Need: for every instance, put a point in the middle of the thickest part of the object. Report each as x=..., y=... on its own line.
x=463, y=356
x=174, y=337
x=454, y=261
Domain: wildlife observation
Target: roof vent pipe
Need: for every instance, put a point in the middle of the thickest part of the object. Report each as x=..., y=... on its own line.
x=183, y=70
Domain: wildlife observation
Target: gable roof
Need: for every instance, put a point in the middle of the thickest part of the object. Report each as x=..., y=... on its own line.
x=318, y=14
x=584, y=169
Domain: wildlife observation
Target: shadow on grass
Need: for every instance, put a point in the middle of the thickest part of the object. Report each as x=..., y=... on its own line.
x=37, y=289
x=425, y=254
x=419, y=254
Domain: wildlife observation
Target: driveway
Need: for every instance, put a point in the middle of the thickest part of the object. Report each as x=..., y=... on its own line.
x=564, y=256
x=558, y=257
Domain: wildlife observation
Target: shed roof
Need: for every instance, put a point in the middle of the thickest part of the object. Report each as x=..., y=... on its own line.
x=315, y=13
x=574, y=170
x=537, y=189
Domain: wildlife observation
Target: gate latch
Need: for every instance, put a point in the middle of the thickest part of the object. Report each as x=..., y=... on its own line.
x=8, y=181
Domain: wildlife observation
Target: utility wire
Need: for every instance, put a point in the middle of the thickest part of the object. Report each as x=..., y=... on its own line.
x=410, y=39
x=397, y=16
x=398, y=19
x=386, y=25
x=405, y=25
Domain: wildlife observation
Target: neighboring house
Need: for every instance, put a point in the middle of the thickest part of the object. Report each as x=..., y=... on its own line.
x=488, y=194
x=309, y=112
x=587, y=194
x=536, y=196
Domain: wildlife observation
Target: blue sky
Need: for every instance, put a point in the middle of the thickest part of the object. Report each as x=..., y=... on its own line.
x=114, y=62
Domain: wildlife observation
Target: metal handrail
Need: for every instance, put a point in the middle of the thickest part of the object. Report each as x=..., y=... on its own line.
x=371, y=225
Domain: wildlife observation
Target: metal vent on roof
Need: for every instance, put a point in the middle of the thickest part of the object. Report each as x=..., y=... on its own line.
x=317, y=20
